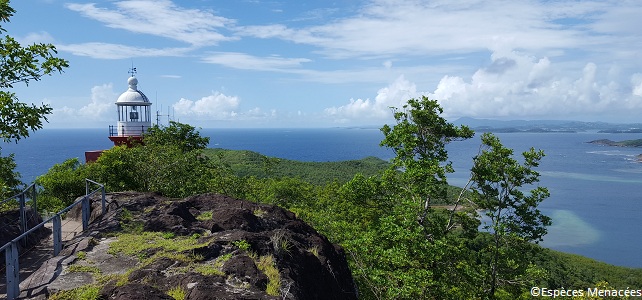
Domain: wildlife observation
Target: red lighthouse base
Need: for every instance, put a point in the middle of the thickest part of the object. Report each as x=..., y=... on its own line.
x=92, y=156
x=129, y=141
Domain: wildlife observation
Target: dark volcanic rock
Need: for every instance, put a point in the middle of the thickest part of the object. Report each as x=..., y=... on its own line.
x=242, y=266
x=135, y=291
x=228, y=261
x=10, y=228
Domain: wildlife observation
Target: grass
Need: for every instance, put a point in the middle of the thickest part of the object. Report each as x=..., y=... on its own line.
x=280, y=242
x=259, y=212
x=204, y=216
x=242, y=244
x=135, y=244
x=81, y=268
x=208, y=270
x=314, y=250
x=128, y=224
x=178, y=293
x=87, y=292
x=267, y=265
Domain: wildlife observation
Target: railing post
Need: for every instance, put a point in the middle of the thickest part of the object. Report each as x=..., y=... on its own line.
x=86, y=211
x=104, y=206
x=57, y=234
x=23, y=216
x=13, y=271
x=23, y=213
x=34, y=203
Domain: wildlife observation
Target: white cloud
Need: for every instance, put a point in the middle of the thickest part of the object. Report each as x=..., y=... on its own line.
x=160, y=18
x=512, y=85
x=248, y=62
x=517, y=85
x=101, y=107
x=394, y=95
x=393, y=27
x=102, y=103
x=171, y=76
x=36, y=37
x=216, y=105
x=116, y=51
x=636, y=82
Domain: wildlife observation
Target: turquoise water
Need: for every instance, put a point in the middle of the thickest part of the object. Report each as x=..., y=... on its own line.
x=595, y=202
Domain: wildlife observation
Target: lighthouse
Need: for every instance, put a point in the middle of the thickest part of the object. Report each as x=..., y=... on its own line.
x=134, y=114
x=134, y=118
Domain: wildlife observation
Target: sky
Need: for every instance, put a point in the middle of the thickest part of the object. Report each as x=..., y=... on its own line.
x=285, y=63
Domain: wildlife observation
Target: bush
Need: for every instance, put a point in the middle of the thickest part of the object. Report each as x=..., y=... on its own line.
x=62, y=184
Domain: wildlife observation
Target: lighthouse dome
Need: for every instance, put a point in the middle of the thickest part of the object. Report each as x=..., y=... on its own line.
x=133, y=95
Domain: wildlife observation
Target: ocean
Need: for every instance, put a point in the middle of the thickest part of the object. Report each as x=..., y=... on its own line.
x=595, y=200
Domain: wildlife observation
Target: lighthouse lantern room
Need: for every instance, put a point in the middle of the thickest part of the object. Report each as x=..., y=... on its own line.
x=134, y=114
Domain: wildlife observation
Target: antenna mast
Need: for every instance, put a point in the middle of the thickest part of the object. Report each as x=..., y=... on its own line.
x=132, y=71
x=158, y=115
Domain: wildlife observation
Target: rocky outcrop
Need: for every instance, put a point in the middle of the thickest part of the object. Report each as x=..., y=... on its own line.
x=10, y=228
x=238, y=250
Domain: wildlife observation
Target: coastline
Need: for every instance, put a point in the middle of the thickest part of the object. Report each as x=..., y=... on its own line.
x=626, y=143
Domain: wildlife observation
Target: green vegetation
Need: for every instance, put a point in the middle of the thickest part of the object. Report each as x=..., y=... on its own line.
x=514, y=220
x=87, y=292
x=178, y=293
x=406, y=232
x=247, y=163
x=632, y=143
x=575, y=271
x=20, y=64
x=82, y=268
x=136, y=244
x=267, y=265
x=204, y=216
x=208, y=269
x=242, y=244
x=627, y=143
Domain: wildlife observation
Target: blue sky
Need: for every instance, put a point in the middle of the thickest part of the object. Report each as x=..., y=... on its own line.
x=289, y=63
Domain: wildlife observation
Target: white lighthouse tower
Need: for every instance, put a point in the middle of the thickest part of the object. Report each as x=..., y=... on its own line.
x=134, y=114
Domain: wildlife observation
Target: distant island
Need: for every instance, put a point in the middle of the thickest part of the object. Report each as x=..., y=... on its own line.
x=628, y=143
x=545, y=126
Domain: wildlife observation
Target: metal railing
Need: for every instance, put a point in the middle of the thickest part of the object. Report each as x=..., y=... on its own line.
x=11, y=248
x=27, y=196
x=114, y=130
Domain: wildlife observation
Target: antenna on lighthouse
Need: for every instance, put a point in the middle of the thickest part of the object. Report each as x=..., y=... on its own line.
x=132, y=70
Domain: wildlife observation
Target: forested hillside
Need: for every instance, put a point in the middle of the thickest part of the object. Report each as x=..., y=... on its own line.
x=247, y=163
x=407, y=234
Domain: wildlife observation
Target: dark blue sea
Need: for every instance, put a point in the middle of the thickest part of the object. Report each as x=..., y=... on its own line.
x=595, y=202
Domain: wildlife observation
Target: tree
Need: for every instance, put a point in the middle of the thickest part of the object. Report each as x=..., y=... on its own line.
x=408, y=251
x=9, y=179
x=62, y=184
x=178, y=134
x=513, y=218
x=21, y=64
x=419, y=141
